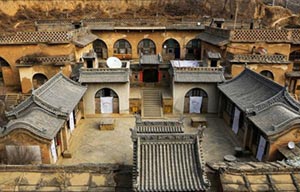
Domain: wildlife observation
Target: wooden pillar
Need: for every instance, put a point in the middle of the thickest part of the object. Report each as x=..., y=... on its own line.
x=246, y=137
x=159, y=75
x=221, y=105
x=141, y=76
x=294, y=85
x=65, y=138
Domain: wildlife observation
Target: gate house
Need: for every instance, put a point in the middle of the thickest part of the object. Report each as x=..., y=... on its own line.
x=261, y=113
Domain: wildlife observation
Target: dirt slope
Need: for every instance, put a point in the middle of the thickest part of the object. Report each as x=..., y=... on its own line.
x=22, y=16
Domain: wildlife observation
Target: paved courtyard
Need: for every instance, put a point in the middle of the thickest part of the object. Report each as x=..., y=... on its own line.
x=91, y=145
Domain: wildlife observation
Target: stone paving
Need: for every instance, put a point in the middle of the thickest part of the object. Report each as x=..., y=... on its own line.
x=91, y=145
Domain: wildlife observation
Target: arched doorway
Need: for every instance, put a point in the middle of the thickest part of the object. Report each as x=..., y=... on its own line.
x=106, y=101
x=38, y=80
x=146, y=47
x=267, y=74
x=196, y=101
x=193, y=50
x=100, y=48
x=171, y=49
x=122, y=49
x=150, y=75
x=3, y=64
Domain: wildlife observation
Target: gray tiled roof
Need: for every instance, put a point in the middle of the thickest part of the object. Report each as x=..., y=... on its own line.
x=290, y=153
x=198, y=76
x=60, y=92
x=257, y=176
x=38, y=121
x=104, y=75
x=249, y=89
x=251, y=167
x=282, y=97
x=150, y=59
x=169, y=162
x=59, y=95
x=213, y=39
x=162, y=126
x=45, y=111
x=275, y=119
x=84, y=39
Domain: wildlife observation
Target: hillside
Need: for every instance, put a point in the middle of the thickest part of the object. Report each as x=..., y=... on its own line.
x=20, y=15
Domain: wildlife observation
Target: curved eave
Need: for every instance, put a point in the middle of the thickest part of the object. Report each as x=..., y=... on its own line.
x=45, y=104
x=19, y=108
x=284, y=128
x=30, y=128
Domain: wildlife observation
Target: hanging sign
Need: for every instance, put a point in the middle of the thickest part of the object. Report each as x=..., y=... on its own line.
x=195, y=104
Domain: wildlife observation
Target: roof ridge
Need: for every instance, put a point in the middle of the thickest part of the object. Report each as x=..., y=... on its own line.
x=264, y=80
x=51, y=81
x=266, y=103
x=20, y=107
x=37, y=131
x=44, y=87
x=233, y=79
x=45, y=105
x=291, y=100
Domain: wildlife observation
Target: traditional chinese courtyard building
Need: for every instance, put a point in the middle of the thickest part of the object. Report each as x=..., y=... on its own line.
x=29, y=59
x=108, y=89
x=262, y=113
x=257, y=176
x=271, y=52
x=57, y=178
x=165, y=159
x=44, y=122
x=145, y=52
x=194, y=87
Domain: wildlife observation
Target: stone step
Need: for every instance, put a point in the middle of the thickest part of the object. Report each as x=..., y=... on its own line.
x=151, y=103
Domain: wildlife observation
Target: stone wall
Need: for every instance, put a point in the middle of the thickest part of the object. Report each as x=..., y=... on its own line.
x=27, y=73
x=134, y=37
x=11, y=53
x=22, y=137
x=180, y=90
x=282, y=141
x=278, y=70
x=121, y=89
x=83, y=177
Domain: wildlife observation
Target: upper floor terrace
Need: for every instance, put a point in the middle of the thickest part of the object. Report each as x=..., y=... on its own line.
x=256, y=35
x=105, y=75
x=196, y=73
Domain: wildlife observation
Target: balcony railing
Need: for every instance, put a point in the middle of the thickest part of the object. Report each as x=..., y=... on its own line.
x=265, y=35
x=198, y=74
x=55, y=60
x=104, y=75
x=197, y=69
x=260, y=58
x=257, y=35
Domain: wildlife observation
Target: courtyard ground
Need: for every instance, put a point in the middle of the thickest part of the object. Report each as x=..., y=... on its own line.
x=91, y=145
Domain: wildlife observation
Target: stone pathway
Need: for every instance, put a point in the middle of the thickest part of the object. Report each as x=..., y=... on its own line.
x=91, y=145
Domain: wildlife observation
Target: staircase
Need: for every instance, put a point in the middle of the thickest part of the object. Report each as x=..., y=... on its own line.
x=151, y=103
